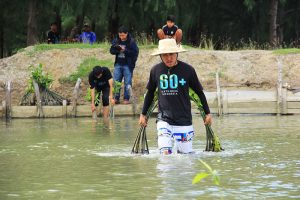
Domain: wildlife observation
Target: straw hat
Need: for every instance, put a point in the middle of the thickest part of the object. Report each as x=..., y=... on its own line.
x=167, y=46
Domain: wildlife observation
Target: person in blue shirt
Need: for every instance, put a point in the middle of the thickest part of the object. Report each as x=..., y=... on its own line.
x=87, y=36
x=126, y=51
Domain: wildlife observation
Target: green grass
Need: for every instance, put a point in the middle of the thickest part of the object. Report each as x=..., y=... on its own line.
x=286, y=51
x=45, y=47
x=85, y=68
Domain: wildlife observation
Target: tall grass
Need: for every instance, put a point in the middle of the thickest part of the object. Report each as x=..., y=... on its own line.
x=286, y=51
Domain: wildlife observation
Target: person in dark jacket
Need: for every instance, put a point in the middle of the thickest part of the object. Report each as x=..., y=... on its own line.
x=126, y=51
x=53, y=35
x=172, y=79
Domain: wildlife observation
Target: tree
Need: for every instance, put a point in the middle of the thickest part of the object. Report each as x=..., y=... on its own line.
x=32, y=32
x=273, y=39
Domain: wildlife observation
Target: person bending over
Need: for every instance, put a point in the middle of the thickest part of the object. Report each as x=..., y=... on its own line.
x=100, y=80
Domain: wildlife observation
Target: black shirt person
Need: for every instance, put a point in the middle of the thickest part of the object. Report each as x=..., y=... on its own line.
x=173, y=78
x=101, y=80
x=170, y=30
x=53, y=35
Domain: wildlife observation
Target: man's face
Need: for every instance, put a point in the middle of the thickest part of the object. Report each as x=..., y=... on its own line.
x=170, y=59
x=123, y=36
x=170, y=23
x=53, y=28
x=87, y=28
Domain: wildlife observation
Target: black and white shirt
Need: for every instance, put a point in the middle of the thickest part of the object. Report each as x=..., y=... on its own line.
x=173, y=93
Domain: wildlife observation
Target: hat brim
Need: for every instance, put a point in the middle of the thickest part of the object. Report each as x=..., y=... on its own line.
x=158, y=52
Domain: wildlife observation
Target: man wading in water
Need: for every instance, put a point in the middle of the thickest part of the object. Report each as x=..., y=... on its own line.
x=173, y=78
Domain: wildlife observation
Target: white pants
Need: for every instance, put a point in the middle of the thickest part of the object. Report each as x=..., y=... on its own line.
x=174, y=138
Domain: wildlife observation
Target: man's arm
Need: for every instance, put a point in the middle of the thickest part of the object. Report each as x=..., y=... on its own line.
x=148, y=99
x=113, y=50
x=197, y=87
x=111, y=99
x=147, y=102
x=132, y=50
x=92, y=88
x=49, y=38
x=93, y=99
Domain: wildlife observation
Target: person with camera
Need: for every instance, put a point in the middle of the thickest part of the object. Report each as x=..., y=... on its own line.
x=126, y=51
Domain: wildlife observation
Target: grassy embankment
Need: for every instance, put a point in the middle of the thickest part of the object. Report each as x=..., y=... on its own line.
x=86, y=66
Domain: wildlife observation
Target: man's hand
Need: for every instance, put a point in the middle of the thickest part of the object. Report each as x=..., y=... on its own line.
x=112, y=101
x=143, y=120
x=93, y=107
x=208, y=119
x=122, y=49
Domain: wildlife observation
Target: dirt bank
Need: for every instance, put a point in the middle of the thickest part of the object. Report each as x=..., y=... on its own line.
x=251, y=68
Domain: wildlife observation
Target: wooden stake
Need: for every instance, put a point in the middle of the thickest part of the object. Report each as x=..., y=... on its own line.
x=218, y=94
x=8, y=88
x=64, y=109
x=279, y=88
x=4, y=109
x=75, y=97
x=40, y=112
x=225, y=101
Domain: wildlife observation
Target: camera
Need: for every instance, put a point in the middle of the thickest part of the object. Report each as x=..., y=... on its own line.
x=118, y=47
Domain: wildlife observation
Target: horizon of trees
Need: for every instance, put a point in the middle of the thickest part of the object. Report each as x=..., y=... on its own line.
x=226, y=24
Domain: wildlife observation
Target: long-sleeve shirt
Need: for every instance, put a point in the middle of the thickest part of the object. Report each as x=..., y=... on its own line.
x=173, y=85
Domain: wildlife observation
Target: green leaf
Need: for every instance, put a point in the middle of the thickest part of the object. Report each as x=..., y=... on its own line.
x=206, y=165
x=216, y=177
x=199, y=177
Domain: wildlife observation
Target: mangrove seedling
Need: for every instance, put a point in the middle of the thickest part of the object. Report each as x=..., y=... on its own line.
x=140, y=144
x=43, y=81
x=212, y=140
x=213, y=173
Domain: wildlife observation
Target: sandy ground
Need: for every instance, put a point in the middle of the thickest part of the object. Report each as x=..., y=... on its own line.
x=250, y=68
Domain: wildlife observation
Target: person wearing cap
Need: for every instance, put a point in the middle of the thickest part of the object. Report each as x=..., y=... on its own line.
x=172, y=79
x=170, y=30
x=126, y=51
x=53, y=35
x=87, y=36
x=100, y=79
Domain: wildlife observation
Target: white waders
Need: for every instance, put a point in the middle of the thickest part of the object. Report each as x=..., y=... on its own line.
x=174, y=138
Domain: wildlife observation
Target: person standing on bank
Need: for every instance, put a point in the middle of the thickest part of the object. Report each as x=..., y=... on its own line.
x=126, y=51
x=170, y=30
x=100, y=79
x=173, y=78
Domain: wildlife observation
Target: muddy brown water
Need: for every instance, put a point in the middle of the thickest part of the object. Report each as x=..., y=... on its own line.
x=86, y=159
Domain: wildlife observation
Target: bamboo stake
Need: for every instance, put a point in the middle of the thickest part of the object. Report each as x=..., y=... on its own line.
x=218, y=94
x=75, y=97
x=279, y=87
x=4, y=109
x=64, y=109
x=8, y=100
x=40, y=112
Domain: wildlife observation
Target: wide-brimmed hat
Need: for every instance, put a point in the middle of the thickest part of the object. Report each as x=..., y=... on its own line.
x=168, y=46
